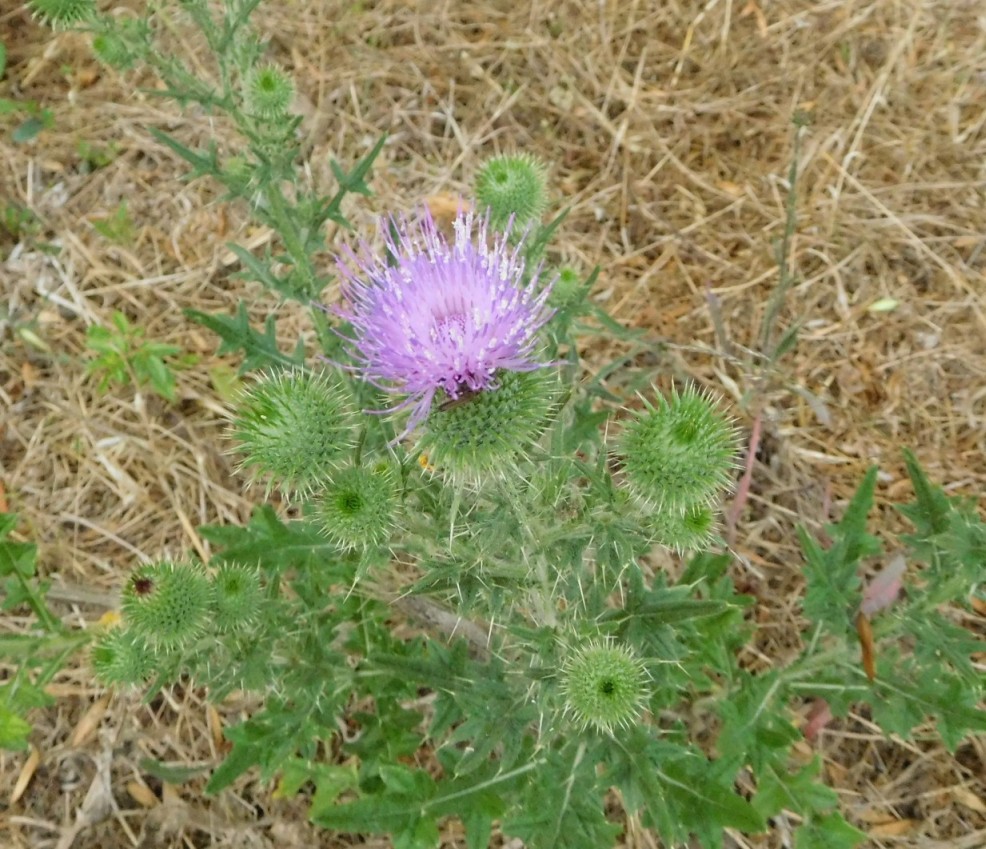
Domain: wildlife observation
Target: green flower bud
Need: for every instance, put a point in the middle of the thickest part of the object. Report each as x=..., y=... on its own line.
x=294, y=429
x=358, y=506
x=63, y=13
x=512, y=186
x=121, y=657
x=236, y=596
x=167, y=604
x=121, y=46
x=267, y=93
x=679, y=453
x=567, y=289
x=692, y=529
x=489, y=433
x=604, y=685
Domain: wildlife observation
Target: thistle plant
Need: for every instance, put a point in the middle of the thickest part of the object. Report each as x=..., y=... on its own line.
x=481, y=570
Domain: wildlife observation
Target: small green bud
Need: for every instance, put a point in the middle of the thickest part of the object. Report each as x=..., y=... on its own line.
x=512, y=186
x=63, y=13
x=236, y=595
x=489, y=433
x=121, y=657
x=566, y=290
x=267, y=93
x=692, y=529
x=121, y=46
x=294, y=429
x=167, y=604
x=358, y=506
x=604, y=685
x=679, y=453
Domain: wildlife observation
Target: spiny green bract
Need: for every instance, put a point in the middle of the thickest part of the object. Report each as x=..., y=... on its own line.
x=294, y=429
x=267, y=93
x=512, y=186
x=167, y=604
x=679, y=453
x=63, y=13
x=237, y=596
x=488, y=434
x=121, y=657
x=357, y=508
x=604, y=684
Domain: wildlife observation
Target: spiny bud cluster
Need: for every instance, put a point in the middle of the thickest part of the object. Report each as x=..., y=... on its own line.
x=168, y=610
x=512, y=188
x=678, y=455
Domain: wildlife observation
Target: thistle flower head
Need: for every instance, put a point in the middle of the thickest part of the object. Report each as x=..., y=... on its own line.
x=294, y=428
x=605, y=685
x=511, y=189
x=237, y=595
x=487, y=434
x=441, y=317
x=691, y=529
x=679, y=452
x=356, y=509
x=167, y=604
x=267, y=93
x=121, y=657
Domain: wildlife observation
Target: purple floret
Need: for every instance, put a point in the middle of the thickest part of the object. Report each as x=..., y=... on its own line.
x=444, y=316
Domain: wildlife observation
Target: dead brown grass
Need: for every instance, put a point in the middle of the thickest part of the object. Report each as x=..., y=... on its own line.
x=669, y=128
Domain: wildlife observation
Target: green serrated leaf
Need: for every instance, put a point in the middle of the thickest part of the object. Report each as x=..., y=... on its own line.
x=799, y=791
x=830, y=831
x=833, y=594
x=561, y=808
x=272, y=545
x=260, y=349
x=14, y=729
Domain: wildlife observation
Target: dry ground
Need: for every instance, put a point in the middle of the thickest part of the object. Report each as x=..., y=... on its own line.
x=668, y=127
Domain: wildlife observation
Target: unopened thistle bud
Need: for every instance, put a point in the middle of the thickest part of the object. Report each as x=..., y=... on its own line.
x=236, y=597
x=167, y=604
x=679, y=453
x=567, y=289
x=122, y=43
x=487, y=434
x=691, y=529
x=121, y=657
x=62, y=13
x=604, y=684
x=512, y=186
x=267, y=93
x=358, y=506
x=294, y=429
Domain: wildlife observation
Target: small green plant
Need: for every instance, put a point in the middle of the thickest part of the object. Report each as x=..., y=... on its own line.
x=37, y=656
x=118, y=227
x=124, y=357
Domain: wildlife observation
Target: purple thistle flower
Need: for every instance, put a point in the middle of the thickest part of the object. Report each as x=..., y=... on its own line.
x=443, y=316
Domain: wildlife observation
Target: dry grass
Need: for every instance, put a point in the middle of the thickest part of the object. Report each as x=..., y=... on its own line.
x=669, y=128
